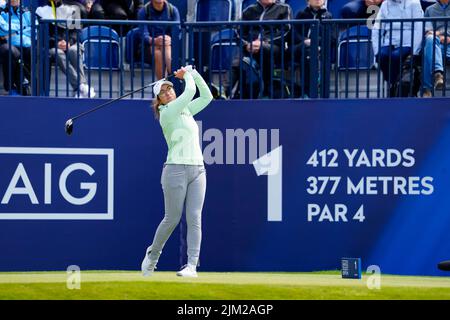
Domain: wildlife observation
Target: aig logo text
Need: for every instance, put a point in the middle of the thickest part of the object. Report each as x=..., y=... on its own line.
x=56, y=183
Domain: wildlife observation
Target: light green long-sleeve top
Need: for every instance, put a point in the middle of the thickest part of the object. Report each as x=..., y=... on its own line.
x=177, y=121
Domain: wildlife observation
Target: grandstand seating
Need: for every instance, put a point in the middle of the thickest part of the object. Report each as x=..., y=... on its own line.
x=132, y=44
x=102, y=49
x=209, y=10
x=223, y=48
x=355, y=49
x=214, y=50
x=214, y=10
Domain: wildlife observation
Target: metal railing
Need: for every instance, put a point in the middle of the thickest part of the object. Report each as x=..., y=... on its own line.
x=296, y=59
x=393, y=72
x=225, y=53
x=111, y=51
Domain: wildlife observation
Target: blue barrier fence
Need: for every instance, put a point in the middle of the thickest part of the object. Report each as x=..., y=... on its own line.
x=357, y=179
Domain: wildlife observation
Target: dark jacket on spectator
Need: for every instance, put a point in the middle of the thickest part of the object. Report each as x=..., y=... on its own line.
x=276, y=11
x=303, y=31
x=131, y=7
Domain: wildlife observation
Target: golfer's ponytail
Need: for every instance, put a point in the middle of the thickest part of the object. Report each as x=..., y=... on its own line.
x=155, y=106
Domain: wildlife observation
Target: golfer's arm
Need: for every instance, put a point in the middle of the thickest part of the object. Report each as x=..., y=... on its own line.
x=175, y=107
x=205, y=94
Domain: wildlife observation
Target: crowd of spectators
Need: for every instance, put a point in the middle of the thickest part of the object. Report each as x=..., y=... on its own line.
x=64, y=48
x=392, y=44
x=15, y=47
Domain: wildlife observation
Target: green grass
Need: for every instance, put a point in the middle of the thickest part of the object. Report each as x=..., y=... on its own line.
x=223, y=286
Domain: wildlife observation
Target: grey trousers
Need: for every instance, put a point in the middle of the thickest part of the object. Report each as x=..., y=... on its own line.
x=69, y=68
x=182, y=185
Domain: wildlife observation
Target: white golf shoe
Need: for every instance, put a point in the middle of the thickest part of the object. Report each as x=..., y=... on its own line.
x=147, y=267
x=188, y=271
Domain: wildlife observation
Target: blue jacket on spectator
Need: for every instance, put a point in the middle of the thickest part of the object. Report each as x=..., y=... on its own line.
x=15, y=15
x=164, y=15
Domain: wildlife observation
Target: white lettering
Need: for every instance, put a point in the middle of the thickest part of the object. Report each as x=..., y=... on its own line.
x=12, y=189
x=92, y=187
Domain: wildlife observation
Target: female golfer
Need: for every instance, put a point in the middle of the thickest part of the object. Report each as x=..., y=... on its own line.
x=183, y=176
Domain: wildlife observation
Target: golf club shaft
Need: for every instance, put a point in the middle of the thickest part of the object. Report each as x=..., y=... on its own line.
x=117, y=99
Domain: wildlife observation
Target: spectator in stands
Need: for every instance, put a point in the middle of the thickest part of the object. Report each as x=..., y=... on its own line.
x=15, y=44
x=357, y=9
x=157, y=39
x=315, y=10
x=89, y=9
x=264, y=43
x=64, y=47
x=392, y=47
x=436, y=37
x=121, y=9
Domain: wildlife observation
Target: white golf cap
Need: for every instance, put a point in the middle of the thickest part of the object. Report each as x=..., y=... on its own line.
x=159, y=84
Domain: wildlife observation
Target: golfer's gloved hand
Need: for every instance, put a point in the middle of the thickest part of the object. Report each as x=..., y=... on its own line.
x=189, y=68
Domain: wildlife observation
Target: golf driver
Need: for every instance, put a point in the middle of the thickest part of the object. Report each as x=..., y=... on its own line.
x=69, y=123
x=444, y=265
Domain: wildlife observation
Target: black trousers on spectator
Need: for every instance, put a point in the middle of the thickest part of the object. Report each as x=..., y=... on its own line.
x=96, y=12
x=268, y=59
x=18, y=63
x=302, y=57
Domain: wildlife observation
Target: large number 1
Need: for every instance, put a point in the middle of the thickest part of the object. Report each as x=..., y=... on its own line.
x=271, y=164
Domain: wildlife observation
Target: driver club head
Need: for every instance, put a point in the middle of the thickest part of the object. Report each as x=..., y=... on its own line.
x=69, y=126
x=444, y=265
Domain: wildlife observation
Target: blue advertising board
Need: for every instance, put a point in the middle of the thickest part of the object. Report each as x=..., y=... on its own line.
x=292, y=185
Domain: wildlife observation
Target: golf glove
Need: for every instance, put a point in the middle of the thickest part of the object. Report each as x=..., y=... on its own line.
x=189, y=68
